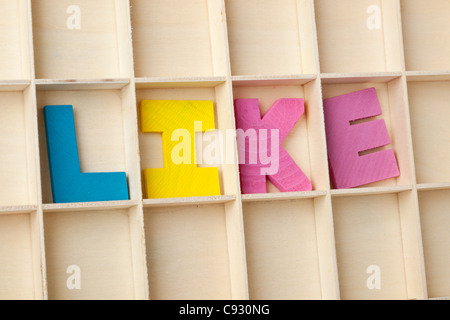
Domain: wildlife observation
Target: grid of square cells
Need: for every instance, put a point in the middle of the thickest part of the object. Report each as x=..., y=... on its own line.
x=387, y=240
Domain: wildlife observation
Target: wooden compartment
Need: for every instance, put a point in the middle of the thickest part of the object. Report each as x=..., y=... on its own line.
x=435, y=223
x=151, y=151
x=104, y=57
x=290, y=250
x=377, y=235
x=430, y=114
x=358, y=36
x=20, y=256
x=15, y=57
x=105, y=122
x=82, y=40
x=425, y=34
x=306, y=142
x=271, y=37
x=392, y=97
x=18, y=164
x=176, y=38
x=103, y=244
x=195, y=252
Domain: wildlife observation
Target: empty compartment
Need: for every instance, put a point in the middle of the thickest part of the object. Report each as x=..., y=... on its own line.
x=176, y=38
x=105, y=124
x=391, y=95
x=435, y=223
x=94, y=254
x=271, y=37
x=425, y=26
x=20, y=257
x=18, y=165
x=15, y=39
x=377, y=244
x=358, y=36
x=82, y=40
x=306, y=142
x=194, y=252
x=430, y=114
x=219, y=147
x=290, y=254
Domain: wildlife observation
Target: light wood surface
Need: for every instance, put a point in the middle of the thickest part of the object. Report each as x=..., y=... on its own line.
x=15, y=55
x=346, y=44
x=429, y=117
x=18, y=268
x=188, y=253
x=425, y=24
x=302, y=245
x=100, y=36
x=368, y=233
x=287, y=49
x=282, y=251
x=175, y=38
x=435, y=224
x=99, y=243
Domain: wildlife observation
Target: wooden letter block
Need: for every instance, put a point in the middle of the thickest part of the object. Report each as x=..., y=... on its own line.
x=176, y=120
x=345, y=141
x=68, y=183
x=280, y=118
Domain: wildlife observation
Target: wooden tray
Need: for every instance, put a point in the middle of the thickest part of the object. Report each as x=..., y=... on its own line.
x=322, y=244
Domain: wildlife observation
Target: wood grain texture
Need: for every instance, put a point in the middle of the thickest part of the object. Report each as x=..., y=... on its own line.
x=14, y=177
x=430, y=116
x=282, y=253
x=425, y=24
x=435, y=224
x=254, y=51
x=16, y=262
x=346, y=141
x=180, y=176
x=96, y=50
x=170, y=43
x=281, y=117
x=100, y=244
x=14, y=36
x=346, y=44
x=197, y=247
x=188, y=252
x=368, y=232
